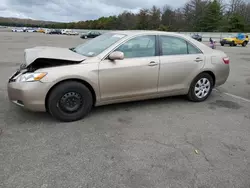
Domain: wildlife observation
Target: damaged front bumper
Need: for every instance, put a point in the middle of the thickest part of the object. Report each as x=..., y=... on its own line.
x=29, y=95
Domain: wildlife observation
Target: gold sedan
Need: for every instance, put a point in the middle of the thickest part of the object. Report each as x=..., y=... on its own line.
x=117, y=66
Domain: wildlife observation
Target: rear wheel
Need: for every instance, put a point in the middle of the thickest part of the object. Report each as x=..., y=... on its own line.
x=222, y=44
x=70, y=101
x=232, y=44
x=200, y=88
x=244, y=43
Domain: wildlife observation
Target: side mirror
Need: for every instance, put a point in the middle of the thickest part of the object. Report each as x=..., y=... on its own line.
x=117, y=55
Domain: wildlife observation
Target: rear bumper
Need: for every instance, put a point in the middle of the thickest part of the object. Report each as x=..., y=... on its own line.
x=222, y=75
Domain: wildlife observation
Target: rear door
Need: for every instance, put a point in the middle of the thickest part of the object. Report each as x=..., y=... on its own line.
x=180, y=62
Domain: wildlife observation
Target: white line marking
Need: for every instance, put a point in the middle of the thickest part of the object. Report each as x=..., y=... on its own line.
x=234, y=96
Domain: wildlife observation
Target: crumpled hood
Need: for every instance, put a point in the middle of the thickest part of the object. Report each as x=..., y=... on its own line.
x=31, y=54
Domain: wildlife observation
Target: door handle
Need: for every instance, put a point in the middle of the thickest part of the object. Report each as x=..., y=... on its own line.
x=152, y=63
x=198, y=59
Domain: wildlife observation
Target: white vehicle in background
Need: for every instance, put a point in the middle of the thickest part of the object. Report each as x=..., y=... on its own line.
x=63, y=31
x=47, y=31
x=69, y=32
x=17, y=30
x=29, y=30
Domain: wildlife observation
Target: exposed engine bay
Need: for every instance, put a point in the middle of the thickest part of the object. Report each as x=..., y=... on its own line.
x=46, y=63
x=41, y=63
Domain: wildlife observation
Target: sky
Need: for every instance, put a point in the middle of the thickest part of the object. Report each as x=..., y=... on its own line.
x=76, y=10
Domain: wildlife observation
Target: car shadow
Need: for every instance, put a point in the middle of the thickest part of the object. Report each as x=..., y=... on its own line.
x=22, y=116
x=238, y=46
x=129, y=106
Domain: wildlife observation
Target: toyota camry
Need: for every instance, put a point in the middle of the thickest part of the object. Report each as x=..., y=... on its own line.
x=118, y=66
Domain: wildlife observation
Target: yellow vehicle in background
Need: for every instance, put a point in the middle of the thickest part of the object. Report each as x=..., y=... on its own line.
x=240, y=39
x=40, y=30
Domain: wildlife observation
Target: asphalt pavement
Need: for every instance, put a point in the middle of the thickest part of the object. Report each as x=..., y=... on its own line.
x=161, y=143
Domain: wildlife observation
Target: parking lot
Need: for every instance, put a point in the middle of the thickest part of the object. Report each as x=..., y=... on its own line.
x=162, y=143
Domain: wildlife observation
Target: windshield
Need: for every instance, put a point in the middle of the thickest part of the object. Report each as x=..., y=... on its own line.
x=97, y=45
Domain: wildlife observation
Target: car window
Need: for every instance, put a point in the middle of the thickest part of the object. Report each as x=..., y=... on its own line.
x=97, y=45
x=142, y=46
x=173, y=46
x=192, y=49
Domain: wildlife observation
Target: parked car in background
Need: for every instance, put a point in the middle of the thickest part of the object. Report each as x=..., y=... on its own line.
x=63, y=31
x=29, y=30
x=47, y=31
x=40, y=30
x=240, y=39
x=90, y=34
x=55, y=31
x=197, y=37
x=69, y=32
x=118, y=66
x=17, y=30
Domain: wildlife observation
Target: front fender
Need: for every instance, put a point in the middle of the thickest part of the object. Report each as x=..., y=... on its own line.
x=84, y=72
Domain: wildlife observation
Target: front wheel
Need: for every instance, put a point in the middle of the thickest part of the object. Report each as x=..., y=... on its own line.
x=222, y=44
x=70, y=101
x=200, y=88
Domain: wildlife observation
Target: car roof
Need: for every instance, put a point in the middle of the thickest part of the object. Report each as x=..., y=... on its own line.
x=138, y=32
x=131, y=33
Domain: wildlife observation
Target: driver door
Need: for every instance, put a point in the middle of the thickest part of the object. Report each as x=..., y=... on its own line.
x=133, y=77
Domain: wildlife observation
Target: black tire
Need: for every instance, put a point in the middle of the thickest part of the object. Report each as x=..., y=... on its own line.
x=191, y=94
x=244, y=43
x=232, y=44
x=59, y=93
x=222, y=44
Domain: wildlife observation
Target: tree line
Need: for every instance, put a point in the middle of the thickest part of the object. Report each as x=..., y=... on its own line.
x=194, y=16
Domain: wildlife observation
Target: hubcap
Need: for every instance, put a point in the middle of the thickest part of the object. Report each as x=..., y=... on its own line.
x=202, y=88
x=71, y=102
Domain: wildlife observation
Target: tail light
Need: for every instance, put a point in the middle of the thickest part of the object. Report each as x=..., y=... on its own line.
x=226, y=60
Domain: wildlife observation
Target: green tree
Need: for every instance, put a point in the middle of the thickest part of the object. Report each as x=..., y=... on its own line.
x=163, y=28
x=126, y=20
x=168, y=18
x=154, y=18
x=194, y=16
x=194, y=12
x=143, y=19
x=236, y=23
x=212, y=17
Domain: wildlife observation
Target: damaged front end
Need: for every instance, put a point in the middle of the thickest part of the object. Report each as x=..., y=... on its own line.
x=41, y=57
x=47, y=63
x=39, y=64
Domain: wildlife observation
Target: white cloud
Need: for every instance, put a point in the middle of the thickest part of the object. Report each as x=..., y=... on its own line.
x=75, y=10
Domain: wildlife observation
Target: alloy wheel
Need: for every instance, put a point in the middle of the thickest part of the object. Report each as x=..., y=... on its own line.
x=202, y=88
